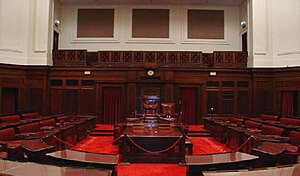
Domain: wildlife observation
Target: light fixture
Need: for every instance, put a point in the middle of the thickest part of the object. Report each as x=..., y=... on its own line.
x=56, y=23
x=243, y=24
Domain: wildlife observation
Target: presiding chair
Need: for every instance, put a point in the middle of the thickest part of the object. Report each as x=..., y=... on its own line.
x=150, y=108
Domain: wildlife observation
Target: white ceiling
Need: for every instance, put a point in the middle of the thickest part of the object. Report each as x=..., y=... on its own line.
x=190, y=2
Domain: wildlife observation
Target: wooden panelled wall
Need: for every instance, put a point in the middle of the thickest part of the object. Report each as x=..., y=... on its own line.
x=53, y=90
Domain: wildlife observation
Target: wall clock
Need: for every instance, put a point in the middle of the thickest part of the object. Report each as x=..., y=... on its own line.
x=150, y=72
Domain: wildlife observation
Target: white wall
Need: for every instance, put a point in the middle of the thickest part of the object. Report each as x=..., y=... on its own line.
x=286, y=33
x=25, y=32
x=274, y=33
x=122, y=37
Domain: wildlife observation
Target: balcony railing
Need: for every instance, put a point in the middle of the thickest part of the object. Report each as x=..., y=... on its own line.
x=217, y=59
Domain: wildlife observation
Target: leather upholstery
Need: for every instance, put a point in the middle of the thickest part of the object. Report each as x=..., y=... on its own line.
x=10, y=119
x=271, y=130
x=168, y=108
x=289, y=121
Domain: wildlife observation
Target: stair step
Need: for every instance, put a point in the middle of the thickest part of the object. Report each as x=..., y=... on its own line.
x=104, y=130
x=200, y=131
x=198, y=134
x=101, y=133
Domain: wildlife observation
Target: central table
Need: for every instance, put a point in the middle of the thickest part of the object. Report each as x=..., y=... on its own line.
x=152, y=144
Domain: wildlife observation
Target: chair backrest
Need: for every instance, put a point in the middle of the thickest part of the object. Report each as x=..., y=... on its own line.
x=272, y=130
x=289, y=121
x=268, y=117
x=168, y=108
x=150, y=107
x=294, y=138
x=7, y=134
x=30, y=127
x=10, y=119
x=48, y=122
x=235, y=120
x=65, y=118
x=251, y=124
x=31, y=115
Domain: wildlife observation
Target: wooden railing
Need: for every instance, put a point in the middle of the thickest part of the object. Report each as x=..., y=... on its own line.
x=217, y=59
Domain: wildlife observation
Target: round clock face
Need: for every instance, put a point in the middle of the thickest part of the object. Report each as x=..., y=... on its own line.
x=150, y=72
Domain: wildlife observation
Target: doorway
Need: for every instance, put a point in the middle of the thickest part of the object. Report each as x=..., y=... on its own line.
x=9, y=100
x=55, y=40
x=244, y=42
x=188, y=104
x=289, y=103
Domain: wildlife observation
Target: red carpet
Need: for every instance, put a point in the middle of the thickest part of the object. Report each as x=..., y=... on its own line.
x=104, y=127
x=97, y=144
x=207, y=145
x=103, y=144
x=152, y=170
x=196, y=127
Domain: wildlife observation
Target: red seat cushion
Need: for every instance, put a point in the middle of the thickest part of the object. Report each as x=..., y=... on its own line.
x=7, y=134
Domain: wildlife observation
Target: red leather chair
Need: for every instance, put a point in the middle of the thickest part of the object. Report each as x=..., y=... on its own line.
x=9, y=142
x=271, y=130
x=235, y=120
x=268, y=117
x=251, y=124
x=30, y=127
x=292, y=153
x=150, y=108
x=168, y=109
x=294, y=138
x=289, y=121
x=30, y=115
x=48, y=122
x=65, y=118
x=11, y=119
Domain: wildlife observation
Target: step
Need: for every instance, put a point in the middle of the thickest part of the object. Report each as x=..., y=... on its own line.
x=198, y=131
x=198, y=134
x=100, y=130
x=102, y=133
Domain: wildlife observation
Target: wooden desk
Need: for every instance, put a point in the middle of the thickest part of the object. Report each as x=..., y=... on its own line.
x=77, y=158
x=36, y=149
x=237, y=160
x=152, y=144
x=269, y=153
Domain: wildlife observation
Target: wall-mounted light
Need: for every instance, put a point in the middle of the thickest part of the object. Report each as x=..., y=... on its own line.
x=212, y=73
x=87, y=72
x=243, y=24
x=56, y=23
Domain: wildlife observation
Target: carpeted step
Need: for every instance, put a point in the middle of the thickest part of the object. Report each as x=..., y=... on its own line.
x=201, y=134
x=101, y=133
x=198, y=131
x=102, y=130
